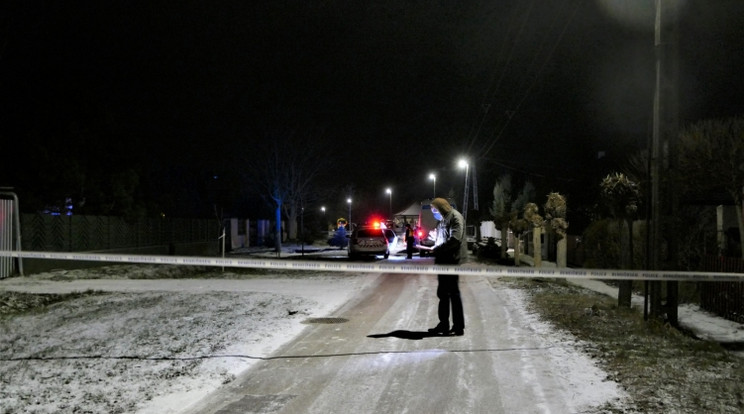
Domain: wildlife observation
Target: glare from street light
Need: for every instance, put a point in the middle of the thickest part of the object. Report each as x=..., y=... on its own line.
x=463, y=163
x=348, y=200
x=390, y=195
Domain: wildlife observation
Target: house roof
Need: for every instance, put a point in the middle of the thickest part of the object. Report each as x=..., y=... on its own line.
x=412, y=210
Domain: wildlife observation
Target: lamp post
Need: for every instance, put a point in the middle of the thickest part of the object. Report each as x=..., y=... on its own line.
x=348, y=201
x=390, y=197
x=325, y=222
x=302, y=228
x=433, y=177
x=464, y=164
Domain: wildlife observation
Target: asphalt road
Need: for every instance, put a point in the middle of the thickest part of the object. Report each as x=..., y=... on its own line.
x=374, y=356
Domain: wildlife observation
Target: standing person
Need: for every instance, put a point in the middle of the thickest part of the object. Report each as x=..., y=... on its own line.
x=409, y=241
x=451, y=249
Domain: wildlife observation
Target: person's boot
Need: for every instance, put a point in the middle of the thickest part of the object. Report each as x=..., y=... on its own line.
x=440, y=330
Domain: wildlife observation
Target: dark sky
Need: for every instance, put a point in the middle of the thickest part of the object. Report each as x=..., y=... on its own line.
x=395, y=89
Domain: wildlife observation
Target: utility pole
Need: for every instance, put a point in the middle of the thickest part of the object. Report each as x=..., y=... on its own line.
x=663, y=158
x=464, y=211
x=475, y=188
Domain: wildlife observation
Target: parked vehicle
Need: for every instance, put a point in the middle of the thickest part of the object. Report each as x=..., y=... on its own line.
x=370, y=241
x=393, y=240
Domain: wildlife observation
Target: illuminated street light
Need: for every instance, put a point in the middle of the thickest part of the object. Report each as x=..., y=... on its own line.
x=433, y=177
x=464, y=164
x=390, y=195
x=348, y=200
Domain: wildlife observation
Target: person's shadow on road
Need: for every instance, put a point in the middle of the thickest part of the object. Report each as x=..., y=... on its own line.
x=412, y=335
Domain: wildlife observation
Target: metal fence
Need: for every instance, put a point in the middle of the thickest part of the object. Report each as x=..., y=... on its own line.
x=9, y=233
x=43, y=232
x=725, y=299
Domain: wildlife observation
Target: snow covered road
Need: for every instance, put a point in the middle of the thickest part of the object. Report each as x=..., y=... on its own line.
x=377, y=358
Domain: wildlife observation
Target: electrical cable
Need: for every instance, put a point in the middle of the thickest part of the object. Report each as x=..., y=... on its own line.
x=487, y=147
x=487, y=98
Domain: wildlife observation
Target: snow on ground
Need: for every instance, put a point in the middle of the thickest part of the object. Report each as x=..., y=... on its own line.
x=158, y=346
x=154, y=346
x=589, y=385
x=704, y=324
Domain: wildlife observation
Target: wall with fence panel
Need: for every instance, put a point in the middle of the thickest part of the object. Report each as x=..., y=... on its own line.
x=77, y=233
x=43, y=232
x=725, y=299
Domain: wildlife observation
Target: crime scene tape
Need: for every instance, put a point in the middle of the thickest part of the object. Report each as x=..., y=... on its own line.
x=470, y=269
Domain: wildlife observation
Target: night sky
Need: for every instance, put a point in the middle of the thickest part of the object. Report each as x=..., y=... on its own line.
x=179, y=94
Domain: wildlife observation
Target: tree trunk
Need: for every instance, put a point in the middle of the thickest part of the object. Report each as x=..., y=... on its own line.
x=292, y=222
x=504, y=241
x=517, y=242
x=625, y=294
x=560, y=253
x=625, y=291
x=278, y=229
x=740, y=217
x=537, y=254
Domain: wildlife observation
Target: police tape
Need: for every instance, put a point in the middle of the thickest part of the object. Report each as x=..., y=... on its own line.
x=470, y=269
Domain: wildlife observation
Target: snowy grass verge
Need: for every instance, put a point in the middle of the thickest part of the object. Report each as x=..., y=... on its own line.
x=662, y=368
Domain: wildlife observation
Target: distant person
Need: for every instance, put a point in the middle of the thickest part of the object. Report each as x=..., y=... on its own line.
x=451, y=248
x=339, y=238
x=409, y=241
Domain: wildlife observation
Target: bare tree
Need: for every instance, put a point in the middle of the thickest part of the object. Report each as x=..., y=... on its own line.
x=283, y=167
x=712, y=159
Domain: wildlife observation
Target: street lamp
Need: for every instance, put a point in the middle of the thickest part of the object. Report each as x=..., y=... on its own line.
x=464, y=164
x=302, y=227
x=348, y=200
x=390, y=196
x=433, y=177
x=325, y=222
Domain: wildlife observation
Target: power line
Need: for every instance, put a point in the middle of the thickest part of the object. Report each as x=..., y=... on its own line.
x=488, y=96
x=486, y=148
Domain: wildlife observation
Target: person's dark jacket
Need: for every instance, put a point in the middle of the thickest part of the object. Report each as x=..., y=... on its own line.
x=453, y=250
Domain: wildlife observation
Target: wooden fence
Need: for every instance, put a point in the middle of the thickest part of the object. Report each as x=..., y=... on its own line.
x=725, y=299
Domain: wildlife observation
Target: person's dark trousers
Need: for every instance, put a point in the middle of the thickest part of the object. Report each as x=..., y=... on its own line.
x=409, y=248
x=448, y=293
